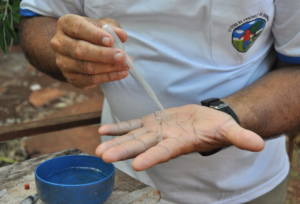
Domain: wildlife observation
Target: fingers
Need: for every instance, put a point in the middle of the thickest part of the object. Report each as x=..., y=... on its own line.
x=115, y=25
x=88, y=29
x=83, y=50
x=240, y=137
x=145, y=147
x=120, y=140
x=162, y=152
x=130, y=149
x=80, y=28
x=71, y=65
x=86, y=81
x=120, y=128
x=85, y=74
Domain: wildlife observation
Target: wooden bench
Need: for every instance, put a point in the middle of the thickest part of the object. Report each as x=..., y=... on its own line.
x=126, y=189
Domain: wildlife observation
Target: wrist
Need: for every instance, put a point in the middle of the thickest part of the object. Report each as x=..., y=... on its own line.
x=236, y=107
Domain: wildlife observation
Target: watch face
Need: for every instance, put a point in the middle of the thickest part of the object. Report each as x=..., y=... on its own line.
x=220, y=106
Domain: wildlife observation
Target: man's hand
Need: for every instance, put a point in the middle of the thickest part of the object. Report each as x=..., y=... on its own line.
x=193, y=128
x=83, y=51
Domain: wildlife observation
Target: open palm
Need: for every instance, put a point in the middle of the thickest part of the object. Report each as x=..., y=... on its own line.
x=193, y=128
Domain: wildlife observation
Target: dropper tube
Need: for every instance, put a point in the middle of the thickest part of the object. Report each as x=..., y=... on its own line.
x=135, y=71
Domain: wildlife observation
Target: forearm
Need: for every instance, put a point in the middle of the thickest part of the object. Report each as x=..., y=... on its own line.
x=269, y=107
x=36, y=34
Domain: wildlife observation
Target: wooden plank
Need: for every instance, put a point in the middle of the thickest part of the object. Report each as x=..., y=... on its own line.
x=48, y=125
x=126, y=190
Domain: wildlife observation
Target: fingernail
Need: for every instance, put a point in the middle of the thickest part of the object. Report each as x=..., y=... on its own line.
x=118, y=57
x=106, y=41
x=123, y=73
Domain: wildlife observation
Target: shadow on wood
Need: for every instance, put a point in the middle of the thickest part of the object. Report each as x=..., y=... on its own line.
x=49, y=125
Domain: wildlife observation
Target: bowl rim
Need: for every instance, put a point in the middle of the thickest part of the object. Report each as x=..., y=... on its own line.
x=73, y=185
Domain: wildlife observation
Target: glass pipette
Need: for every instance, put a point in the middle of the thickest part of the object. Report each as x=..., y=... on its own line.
x=135, y=71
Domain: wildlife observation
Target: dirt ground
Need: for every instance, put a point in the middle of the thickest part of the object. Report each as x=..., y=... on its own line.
x=18, y=80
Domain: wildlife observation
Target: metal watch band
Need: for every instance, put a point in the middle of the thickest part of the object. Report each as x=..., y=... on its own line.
x=217, y=104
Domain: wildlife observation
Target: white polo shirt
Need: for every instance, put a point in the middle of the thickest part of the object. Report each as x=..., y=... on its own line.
x=189, y=51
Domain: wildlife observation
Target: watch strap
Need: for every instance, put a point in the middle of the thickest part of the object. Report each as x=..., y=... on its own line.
x=221, y=106
x=217, y=104
x=210, y=152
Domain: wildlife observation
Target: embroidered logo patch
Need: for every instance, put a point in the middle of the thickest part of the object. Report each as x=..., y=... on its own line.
x=245, y=35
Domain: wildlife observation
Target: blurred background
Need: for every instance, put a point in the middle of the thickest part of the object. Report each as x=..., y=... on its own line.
x=28, y=95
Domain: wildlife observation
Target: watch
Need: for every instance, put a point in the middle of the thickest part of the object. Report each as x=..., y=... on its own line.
x=219, y=105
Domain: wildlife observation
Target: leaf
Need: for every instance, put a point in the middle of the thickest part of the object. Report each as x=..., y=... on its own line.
x=2, y=40
x=16, y=6
x=5, y=0
x=16, y=17
x=9, y=30
x=10, y=20
x=1, y=16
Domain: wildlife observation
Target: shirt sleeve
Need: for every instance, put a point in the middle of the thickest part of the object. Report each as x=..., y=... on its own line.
x=56, y=9
x=286, y=30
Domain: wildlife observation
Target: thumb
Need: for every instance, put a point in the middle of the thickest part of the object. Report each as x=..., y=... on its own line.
x=242, y=138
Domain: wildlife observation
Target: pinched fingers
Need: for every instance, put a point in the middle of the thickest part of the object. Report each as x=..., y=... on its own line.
x=89, y=29
x=70, y=65
x=86, y=81
x=84, y=53
x=85, y=74
x=83, y=50
x=115, y=25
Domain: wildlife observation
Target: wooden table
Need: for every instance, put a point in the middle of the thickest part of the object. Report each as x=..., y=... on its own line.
x=126, y=189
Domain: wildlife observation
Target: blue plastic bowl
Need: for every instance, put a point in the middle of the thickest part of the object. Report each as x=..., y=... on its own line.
x=74, y=179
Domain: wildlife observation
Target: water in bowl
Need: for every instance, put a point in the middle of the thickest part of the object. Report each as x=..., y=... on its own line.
x=76, y=176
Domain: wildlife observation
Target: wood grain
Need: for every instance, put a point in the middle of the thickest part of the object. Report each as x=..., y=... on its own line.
x=127, y=190
x=49, y=125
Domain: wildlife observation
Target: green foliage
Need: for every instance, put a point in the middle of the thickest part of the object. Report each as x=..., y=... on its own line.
x=9, y=13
